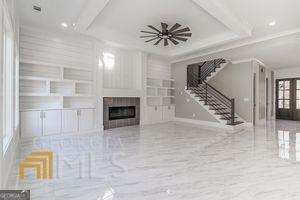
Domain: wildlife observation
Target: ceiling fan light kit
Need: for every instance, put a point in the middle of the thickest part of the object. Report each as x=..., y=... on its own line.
x=173, y=35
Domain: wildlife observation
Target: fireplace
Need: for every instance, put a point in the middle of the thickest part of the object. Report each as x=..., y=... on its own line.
x=121, y=112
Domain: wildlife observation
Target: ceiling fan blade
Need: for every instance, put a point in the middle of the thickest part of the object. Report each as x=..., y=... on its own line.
x=146, y=36
x=184, y=34
x=150, y=26
x=156, y=43
x=173, y=41
x=149, y=32
x=182, y=30
x=176, y=26
x=180, y=38
x=152, y=39
x=166, y=42
x=164, y=27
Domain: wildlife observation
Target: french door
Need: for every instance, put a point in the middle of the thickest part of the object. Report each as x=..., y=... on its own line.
x=288, y=99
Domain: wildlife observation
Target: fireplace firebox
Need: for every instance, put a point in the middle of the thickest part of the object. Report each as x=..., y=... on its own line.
x=121, y=112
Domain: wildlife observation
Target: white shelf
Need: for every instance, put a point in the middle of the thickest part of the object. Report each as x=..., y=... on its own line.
x=53, y=79
x=51, y=86
x=26, y=61
x=160, y=91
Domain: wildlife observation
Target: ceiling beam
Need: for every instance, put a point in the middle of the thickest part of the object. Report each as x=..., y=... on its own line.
x=92, y=9
x=226, y=17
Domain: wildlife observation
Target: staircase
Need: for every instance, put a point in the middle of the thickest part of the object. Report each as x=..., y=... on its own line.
x=216, y=103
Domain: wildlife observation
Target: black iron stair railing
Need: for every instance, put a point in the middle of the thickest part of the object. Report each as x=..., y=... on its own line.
x=217, y=101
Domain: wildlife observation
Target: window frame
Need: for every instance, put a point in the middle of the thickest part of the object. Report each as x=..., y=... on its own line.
x=8, y=79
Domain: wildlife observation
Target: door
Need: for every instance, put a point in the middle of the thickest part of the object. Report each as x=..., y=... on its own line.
x=254, y=99
x=168, y=112
x=31, y=124
x=69, y=121
x=297, y=100
x=284, y=99
x=267, y=98
x=86, y=119
x=154, y=113
x=51, y=122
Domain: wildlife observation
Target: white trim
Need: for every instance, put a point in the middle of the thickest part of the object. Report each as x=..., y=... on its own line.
x=240, y=44
x=226, y=17
x=249, y=60
x=90, y=12
x=204, y=44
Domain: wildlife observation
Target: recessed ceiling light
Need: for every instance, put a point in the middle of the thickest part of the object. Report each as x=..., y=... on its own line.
x=272, y=23
x=65, y=25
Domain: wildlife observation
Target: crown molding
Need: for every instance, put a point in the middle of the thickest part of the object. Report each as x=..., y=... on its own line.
x=238, y=44
x=92, y=9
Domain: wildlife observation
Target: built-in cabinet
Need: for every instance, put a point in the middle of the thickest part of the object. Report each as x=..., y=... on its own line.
x=160, y=113
x=160, y=100
x=53, y=122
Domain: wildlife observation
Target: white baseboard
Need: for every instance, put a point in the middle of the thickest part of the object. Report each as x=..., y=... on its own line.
x=155, y=122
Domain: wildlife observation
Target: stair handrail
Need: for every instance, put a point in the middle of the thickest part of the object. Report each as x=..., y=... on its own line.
x=192, y=78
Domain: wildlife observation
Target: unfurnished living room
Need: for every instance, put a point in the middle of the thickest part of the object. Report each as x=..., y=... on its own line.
x=150, y=99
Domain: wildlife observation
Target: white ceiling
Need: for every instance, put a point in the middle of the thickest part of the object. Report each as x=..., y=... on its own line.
x=281, y=52
x=259, y=13
x=238, y=26
x=131, y=16
x=54, y=12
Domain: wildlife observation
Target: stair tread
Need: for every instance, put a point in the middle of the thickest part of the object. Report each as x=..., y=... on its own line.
x=235, y=123
x=218, y=108
x=216, y=104
x=225, y=113
x=227, y=118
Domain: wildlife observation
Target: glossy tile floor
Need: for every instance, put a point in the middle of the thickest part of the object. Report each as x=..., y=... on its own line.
x=170, y=161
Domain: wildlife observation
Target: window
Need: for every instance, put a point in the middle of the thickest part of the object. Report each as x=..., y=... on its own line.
x=8, y=82
x=284, y=94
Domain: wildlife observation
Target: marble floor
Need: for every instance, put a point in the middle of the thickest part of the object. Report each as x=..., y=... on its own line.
x=170, y=161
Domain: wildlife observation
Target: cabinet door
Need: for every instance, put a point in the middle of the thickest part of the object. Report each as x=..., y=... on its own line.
x=31, y=124
x=69, y=121
x=86, y=119
x=51, y=122
x=168, y=112
x=154, y=113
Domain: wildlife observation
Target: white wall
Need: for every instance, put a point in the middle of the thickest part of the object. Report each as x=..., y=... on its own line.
x=158, y=67
x=126, y=70
x=7, y=157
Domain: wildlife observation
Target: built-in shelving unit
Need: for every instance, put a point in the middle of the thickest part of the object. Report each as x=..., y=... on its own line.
x=160, y=92
x=50, y=86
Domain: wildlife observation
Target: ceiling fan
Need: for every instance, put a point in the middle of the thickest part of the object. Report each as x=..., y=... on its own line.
x=174, y=34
